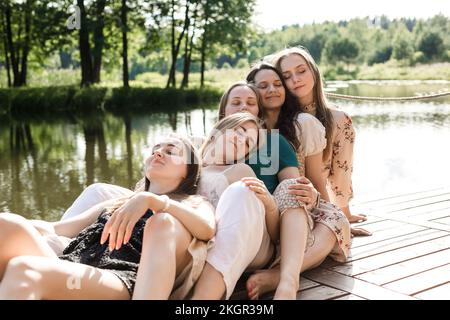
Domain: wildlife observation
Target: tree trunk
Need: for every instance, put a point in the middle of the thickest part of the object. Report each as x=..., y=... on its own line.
x=12, y=51
x=188, y=52
x=202, y=58
x=203, y=47
x=85, y=50
x=171, y=81
x=26, y=45
x=99, y=40
x=123, y=16
x=185, y=61
x=5, y=45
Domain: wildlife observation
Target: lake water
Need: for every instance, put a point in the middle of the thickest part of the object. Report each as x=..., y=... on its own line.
x=400, y=147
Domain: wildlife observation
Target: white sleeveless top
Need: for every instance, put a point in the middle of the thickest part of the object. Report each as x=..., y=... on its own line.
x=212, y=185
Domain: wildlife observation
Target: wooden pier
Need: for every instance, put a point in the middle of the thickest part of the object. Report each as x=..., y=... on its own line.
x=407, y=257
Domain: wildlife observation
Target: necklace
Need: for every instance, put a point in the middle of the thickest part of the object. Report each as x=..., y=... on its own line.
x=309, y=107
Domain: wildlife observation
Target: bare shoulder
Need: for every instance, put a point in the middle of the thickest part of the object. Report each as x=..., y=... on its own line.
x=339, y=115
x=239, y=171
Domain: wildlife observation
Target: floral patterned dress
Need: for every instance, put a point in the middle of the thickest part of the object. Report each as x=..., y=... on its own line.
x=313, y=141
x=338, y=166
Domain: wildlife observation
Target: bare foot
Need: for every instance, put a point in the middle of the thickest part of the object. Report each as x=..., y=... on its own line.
x=262, y=281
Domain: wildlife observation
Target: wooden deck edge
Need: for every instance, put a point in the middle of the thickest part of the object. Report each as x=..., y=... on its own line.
x=353, y=286
x=415, y=221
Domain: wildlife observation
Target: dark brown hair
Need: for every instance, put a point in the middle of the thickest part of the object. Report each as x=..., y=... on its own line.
x=287, y=119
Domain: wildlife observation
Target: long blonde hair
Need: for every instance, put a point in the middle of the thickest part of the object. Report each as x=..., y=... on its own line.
x=323, y=113
x=231, y=122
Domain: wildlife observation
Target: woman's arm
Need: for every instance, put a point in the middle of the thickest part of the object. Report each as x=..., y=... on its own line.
x=313, y=171
x=71, y=227
x=304, y=190
x=199, y=220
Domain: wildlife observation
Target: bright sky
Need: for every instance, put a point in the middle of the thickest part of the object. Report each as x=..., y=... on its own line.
x=273, y=14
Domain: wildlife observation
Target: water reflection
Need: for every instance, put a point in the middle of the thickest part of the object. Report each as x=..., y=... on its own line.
x=46, y=163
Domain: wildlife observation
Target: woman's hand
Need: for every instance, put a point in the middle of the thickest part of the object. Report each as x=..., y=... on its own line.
x=260, y=190
x=121, y=223
x=305, y=192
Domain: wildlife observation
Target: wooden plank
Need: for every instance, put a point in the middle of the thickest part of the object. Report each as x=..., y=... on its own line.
x=384, y=224
x=378, y=236
x=418, y=209
x=434, y=214
x=350, y=297
x=422, y=200
x=445, y=220
x=400, y=198
x=370, y=220
x=422, y=281
x=307, y=283
x=417, y=222
x=407, y=268
x=352, y=285
x=320, y=293
x=393, y=257
x=439, y=293
x=394, y=243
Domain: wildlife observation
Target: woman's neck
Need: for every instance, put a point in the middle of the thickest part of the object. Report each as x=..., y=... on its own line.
x=306, y=100
x=161, y=187
x=271, y=118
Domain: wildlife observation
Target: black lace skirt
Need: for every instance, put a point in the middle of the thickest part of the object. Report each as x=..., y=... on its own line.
x=86, y=249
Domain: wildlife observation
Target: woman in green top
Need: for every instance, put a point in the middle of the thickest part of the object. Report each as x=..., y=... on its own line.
x=277, y=170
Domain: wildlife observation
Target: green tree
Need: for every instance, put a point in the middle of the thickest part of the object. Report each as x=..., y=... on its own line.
x=341, y=49
x=431, y=44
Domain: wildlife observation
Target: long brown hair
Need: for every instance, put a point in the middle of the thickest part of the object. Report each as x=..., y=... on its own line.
x=226, y=95
x=286, y=122
x=323, y=113
x=186, y=188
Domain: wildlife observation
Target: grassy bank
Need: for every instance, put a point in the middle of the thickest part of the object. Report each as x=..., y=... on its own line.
x=222, y=78
x=48, y=100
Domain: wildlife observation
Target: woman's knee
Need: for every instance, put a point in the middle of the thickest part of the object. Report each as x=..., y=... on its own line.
x=11, y=223
x=22, y=280
x=159, y=222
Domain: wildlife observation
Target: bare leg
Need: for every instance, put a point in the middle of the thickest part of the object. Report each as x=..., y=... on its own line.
x=241, y=223
x=18, y=237
x=31, y=270
x=31, y=277
x=164, y=256
x=210, y=285
x=293, y=238
x=267, y=280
